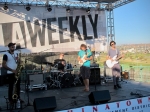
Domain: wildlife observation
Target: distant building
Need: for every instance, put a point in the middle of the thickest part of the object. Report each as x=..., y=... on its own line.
x=145, y=48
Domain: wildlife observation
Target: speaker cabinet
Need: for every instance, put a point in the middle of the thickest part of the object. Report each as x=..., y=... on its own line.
x=97, y=97
x=95, y=76
x=44, y=104
x=35, y=79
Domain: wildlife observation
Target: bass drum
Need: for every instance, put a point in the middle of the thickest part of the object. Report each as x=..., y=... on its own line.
x=66, y=79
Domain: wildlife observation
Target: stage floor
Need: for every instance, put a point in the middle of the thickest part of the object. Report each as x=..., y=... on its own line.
x=68, y=98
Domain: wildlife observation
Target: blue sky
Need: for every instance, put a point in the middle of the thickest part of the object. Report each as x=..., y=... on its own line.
x=132, y=23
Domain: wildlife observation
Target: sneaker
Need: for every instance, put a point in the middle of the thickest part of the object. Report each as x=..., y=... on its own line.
x=115, y=87
x=119, y=86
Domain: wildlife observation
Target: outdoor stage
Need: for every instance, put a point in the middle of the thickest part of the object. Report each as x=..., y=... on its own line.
x=74, y=97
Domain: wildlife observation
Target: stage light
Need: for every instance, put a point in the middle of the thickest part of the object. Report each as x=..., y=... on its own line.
x=5, y=7
x=28, y=8
x=88, y=10
x=49, y=9
x=68, y=10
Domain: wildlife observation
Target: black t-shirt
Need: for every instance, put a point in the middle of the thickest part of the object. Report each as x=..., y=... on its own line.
x=58, y=64
x=56, y=61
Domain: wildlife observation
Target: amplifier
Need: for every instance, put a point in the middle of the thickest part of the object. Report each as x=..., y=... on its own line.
x=95, y=76
x=36, y=81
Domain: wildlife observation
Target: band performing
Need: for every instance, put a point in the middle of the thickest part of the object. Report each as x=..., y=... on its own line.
x=61, y=75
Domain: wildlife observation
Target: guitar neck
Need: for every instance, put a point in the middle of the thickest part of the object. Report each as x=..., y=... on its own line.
x=118, y=58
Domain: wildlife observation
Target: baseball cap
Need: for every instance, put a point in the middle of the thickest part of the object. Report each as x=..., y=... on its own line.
x=11, y=44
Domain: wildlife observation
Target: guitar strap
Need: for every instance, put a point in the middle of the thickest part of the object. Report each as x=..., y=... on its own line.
x=116, y=52
x=86, y=52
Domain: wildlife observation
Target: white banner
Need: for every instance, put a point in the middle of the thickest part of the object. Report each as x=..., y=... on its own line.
x=132, y=105
x=38, y=30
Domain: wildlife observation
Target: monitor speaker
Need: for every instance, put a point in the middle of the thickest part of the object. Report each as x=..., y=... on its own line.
x=44, y=104
x=98, y=97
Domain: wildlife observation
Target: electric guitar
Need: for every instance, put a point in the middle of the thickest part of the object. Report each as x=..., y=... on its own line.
x=83, y=60
x=111, y=63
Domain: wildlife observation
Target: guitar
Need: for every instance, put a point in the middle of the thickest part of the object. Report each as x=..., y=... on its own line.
x=83, y=60
x=111, y=63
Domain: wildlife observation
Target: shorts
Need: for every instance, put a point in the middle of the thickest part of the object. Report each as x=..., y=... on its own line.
x=85, y=72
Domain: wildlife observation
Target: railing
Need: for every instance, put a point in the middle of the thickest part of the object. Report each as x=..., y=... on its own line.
x=138, y=73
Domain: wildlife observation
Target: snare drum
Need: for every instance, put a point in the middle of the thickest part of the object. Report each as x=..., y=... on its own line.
x=54, y=74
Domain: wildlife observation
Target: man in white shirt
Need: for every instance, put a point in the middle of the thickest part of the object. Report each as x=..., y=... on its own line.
x=10, y=61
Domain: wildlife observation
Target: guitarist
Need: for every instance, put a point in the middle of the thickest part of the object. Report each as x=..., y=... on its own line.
x=85, y=68
x=116, y=69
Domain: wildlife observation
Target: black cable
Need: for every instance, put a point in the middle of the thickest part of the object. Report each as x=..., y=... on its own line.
x=67, y=105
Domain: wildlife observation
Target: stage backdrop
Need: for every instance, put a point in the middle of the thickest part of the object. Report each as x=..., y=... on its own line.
x=38, y=30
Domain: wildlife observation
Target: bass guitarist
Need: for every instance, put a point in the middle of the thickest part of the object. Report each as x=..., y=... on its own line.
x=116, y=69
x=84, y=58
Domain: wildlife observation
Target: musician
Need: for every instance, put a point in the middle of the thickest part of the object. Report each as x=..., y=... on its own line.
x=116, y=69
x=85, y=68
x=10, y=60
x=60, y=63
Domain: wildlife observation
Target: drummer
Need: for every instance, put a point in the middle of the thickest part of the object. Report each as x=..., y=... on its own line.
x=60, y=63
x=60, y=60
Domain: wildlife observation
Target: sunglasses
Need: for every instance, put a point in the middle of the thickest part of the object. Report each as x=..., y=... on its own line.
x=112, y=44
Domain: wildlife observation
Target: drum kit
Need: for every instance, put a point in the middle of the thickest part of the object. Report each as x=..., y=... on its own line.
x=59, y=79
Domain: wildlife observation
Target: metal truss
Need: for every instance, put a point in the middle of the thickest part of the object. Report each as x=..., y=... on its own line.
x=110, y=18
x=120, y=3
x=110, y=26
x=67, y=3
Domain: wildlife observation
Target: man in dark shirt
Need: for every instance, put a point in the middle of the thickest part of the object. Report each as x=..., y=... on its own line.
x=10, y=60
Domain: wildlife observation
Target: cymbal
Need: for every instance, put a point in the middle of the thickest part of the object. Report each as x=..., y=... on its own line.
x=47, y=63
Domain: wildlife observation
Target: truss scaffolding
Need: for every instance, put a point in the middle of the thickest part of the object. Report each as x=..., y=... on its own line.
x=72, y=4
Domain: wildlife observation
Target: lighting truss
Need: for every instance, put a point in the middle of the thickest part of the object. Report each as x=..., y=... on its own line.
x=66, y=3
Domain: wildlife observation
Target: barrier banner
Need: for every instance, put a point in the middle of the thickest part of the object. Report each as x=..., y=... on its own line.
x=132, y=105
x=38, y=30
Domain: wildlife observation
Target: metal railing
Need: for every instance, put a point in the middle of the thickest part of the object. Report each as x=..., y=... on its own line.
x=138, y=73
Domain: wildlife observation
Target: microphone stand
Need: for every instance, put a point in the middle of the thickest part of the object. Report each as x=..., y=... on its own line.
x=27, y=89
x=94, y=70
x=94, y=66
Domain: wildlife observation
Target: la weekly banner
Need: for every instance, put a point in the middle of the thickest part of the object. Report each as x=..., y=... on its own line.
x=38, y=30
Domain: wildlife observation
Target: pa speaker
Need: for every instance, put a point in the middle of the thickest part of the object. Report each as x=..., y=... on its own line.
x=95, y=76
x=97, y=97
x=44, y=104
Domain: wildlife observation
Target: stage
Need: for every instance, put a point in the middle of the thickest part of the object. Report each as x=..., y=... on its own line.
x=75, y=97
